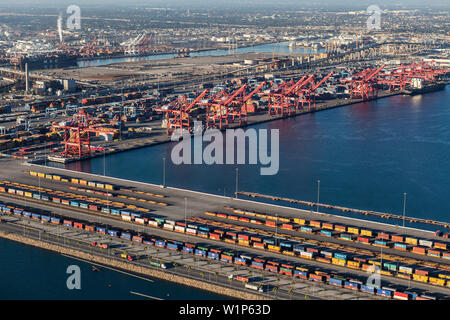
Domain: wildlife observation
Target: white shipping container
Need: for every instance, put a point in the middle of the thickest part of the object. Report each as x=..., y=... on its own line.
x=179, y=228
x=191, y=231
x=405, y=269
x=139, y=220
x=306, y=254
x=127, y=218
x=153, y=223
x=426, y=243
x=168, y=226
x=170, y=222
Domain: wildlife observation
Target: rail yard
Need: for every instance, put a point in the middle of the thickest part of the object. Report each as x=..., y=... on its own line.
x=301, y=253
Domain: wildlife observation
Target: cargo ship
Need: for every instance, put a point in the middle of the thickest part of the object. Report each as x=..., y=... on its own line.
x=45, y=61
x=426, y=88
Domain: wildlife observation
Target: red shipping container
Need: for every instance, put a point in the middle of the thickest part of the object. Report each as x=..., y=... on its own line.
x=440, y=245
x=397, y=238
x=316, y=224
x=287, y=226
x=214, y=236
x=270, y=223
x=312, y=250
x=327, y=226
x=258, y=245
x=363, y=239
x=421, y=272
x=418, y=250
x=93, y=207
x=256, y=239
x=400, y=295
x=383, y=235
x=242, y=237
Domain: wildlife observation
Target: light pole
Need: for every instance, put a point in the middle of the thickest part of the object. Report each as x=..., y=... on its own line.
x=164, y=172
x=185, y=212
x=104, y=161
x=318, y=194
x=237, y=179
x=404, y=208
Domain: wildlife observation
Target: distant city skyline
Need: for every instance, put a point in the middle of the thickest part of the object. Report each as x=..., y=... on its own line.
x=281, y=4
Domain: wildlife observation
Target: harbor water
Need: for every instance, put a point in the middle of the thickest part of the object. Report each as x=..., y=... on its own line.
x=277, y=48
x=366, y=156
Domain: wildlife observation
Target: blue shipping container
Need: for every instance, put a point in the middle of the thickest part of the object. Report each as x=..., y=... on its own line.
x=125, y=235
x=188, y=249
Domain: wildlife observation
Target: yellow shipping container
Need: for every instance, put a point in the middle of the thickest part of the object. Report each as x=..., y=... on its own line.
x=33, y=173
x=439, y=282
x=284, y=220
x=108, y=187
x=366, y=232
x=411, y=240
x=353, y=264
x=40, y=174
x=274, y=248
x=49, y=176
x=57, y=178
x=377, y=263
x=299, y=221
x=353, y=230
x=339, y=262
x=28, y=194
x=74, y=180
x=83, y=182
x=420, y=278
x=244, y=242
x=64, y=180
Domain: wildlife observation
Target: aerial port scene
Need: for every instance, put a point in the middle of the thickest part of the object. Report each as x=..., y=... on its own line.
x=225, y=150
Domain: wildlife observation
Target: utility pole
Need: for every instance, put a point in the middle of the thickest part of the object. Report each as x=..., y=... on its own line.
x=404, y=208
x=318, y=194
x=164, y=172
x=237, y=177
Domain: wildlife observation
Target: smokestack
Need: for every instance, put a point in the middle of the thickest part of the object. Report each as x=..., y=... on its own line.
x=26, y=77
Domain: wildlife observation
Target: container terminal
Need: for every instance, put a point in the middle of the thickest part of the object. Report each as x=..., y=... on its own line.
x=69, y=95
x=73, y=128
x=268, y=250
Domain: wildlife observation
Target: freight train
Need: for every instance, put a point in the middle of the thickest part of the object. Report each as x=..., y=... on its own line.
x=229, y=256
x=390, y=268
x=207, y=252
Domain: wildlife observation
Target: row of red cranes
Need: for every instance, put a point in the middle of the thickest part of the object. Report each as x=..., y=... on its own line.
x=226, y=107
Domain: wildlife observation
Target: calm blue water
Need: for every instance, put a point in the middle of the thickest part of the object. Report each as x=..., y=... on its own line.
x=365, y=155
x=30, y=273
x=279, y=48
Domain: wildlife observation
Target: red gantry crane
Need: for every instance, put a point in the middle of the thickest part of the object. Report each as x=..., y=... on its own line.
x=286, y=100
x=77, y=131
x=309, y=94
x=220, y=110
x=363, y=84
x=178, y=112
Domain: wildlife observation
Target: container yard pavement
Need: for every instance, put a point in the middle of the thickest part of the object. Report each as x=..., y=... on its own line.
x=198, y=203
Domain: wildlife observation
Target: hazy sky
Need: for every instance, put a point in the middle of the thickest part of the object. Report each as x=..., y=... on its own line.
x=356, y=4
